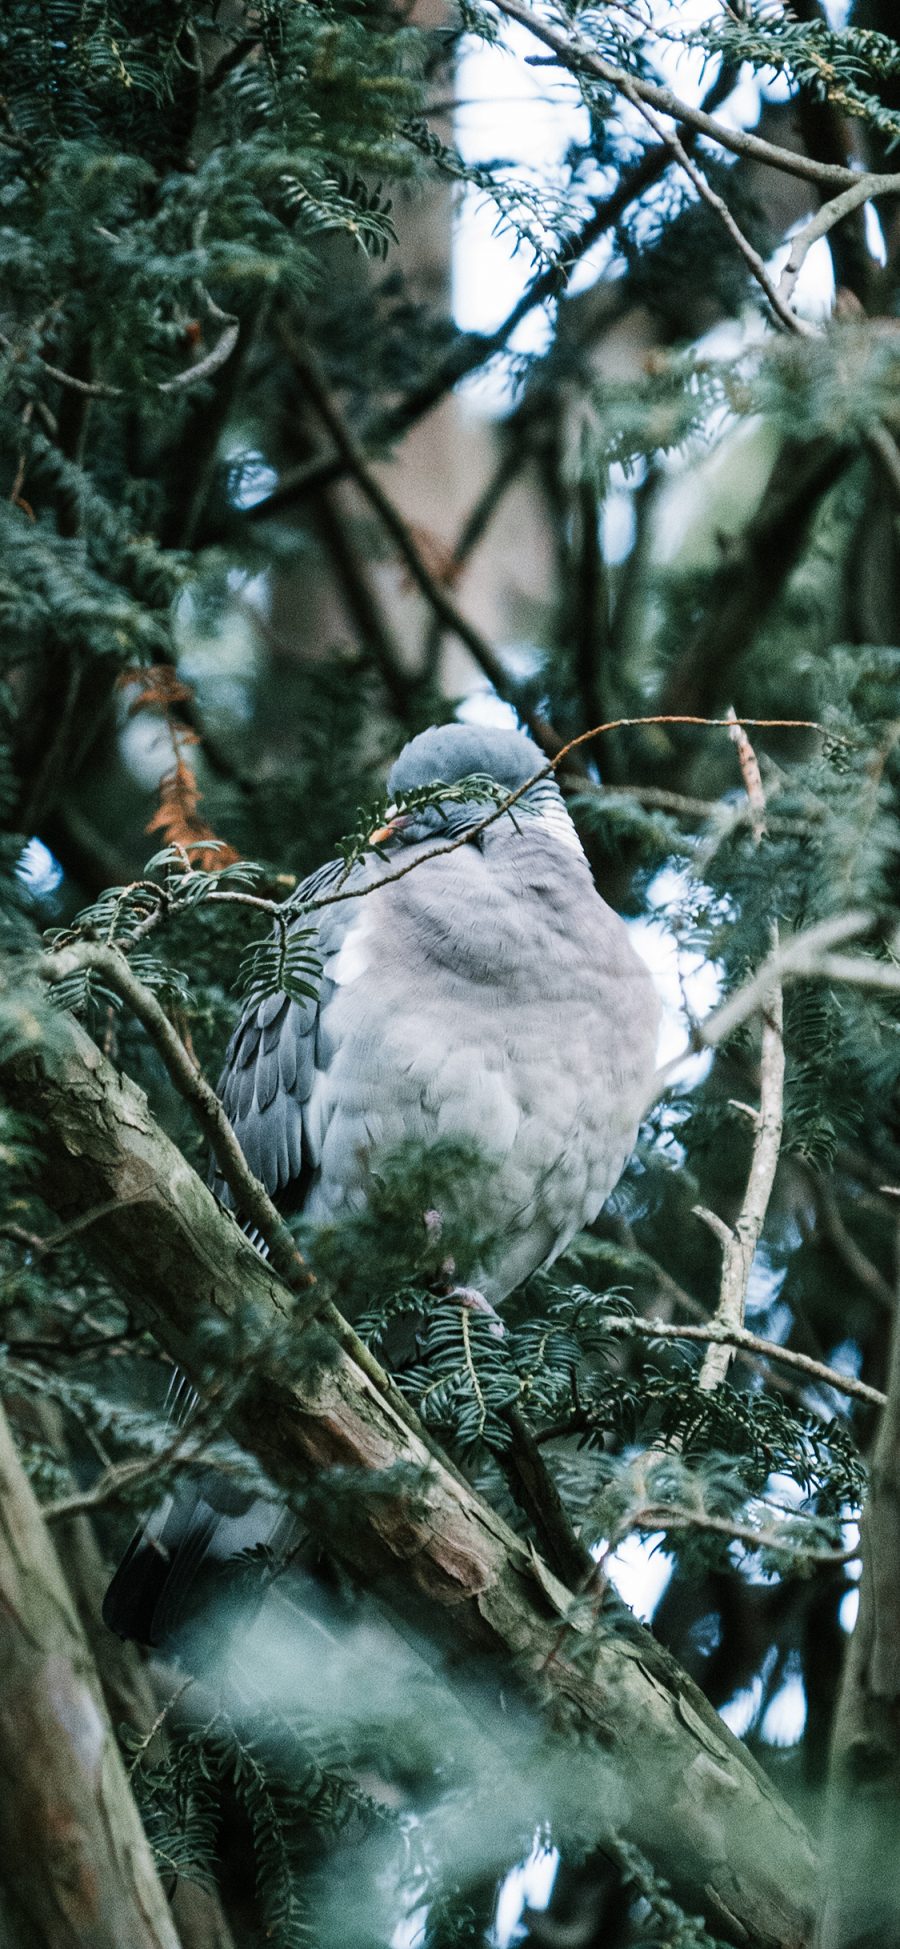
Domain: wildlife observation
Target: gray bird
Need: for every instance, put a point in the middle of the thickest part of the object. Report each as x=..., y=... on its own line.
x=489, y=997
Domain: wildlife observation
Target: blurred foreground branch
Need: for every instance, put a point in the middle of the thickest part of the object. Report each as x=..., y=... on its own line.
x=862, y=1904
x=75, y=1865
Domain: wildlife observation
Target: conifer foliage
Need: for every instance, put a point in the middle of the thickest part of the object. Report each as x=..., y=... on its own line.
x=226, y=340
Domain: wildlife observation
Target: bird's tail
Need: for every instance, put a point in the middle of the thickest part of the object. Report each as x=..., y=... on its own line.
x=185, y=1559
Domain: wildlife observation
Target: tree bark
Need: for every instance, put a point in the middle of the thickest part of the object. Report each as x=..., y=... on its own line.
x=690, y=1794
x=76, y=1871
x=124, y=1678
x=862, y=1905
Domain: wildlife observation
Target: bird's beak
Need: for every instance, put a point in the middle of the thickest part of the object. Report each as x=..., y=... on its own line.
x=395, y=823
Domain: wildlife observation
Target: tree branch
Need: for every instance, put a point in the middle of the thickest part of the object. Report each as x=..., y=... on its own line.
x=204, y=368
x=537, y=1494
x=666, y=1517
x=862, y=1891
x=474, y=349
x=825, y=219
x=717, y=203
x=690, y=1794
x=443, y=605
x=251, y=1198
x=573, y=52
x=76, y=1865
x=714, y=1332
x=806, y=955
x=740, y=1243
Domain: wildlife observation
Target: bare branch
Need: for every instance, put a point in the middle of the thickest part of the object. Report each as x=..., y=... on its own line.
x=805, y=955
x=546, y=771
x=739, y=1246
x=717, y=1333
x=825, y=219
x=717, y=203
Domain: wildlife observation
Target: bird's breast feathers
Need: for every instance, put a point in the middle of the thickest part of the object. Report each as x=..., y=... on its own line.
x=501, y=1006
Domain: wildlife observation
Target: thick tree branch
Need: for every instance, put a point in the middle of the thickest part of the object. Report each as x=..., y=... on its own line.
x=862, y=1904
x=690, y=1794
x=75, y=1865
x=251, y=1197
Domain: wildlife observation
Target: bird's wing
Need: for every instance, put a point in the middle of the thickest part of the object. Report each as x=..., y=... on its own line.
x=279, y=1051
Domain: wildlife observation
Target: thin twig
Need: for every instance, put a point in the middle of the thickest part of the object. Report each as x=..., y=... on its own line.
x=805, y=955
x=33, y=1242
x=740, y=1242
x=216, y=357
x=825, y=219
x=158, y=1723
x=546, y=771
x=714, y=1332
x=837, y=1235
x=119, y=1478
x=717, y=203
x=664, y=1517
x=658, y=798
x=167, y=905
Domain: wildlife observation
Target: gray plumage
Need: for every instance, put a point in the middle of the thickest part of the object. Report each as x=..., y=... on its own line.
x=490, y=997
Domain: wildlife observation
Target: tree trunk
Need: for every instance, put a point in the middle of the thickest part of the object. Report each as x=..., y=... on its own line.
x=862, y=1905
x=684, y=1788
x=75, y=1867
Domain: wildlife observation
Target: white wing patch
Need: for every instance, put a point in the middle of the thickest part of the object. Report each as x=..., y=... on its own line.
x=353, y=956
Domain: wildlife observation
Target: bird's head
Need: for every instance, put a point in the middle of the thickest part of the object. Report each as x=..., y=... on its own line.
x=497, y=761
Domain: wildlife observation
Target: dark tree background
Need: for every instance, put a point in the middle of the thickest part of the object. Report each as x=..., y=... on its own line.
x=256, y=532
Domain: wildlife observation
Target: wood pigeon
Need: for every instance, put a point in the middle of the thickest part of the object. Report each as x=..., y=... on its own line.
x=489, y=997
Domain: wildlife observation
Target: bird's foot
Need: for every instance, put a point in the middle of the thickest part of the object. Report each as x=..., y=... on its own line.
x=474, y=1302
